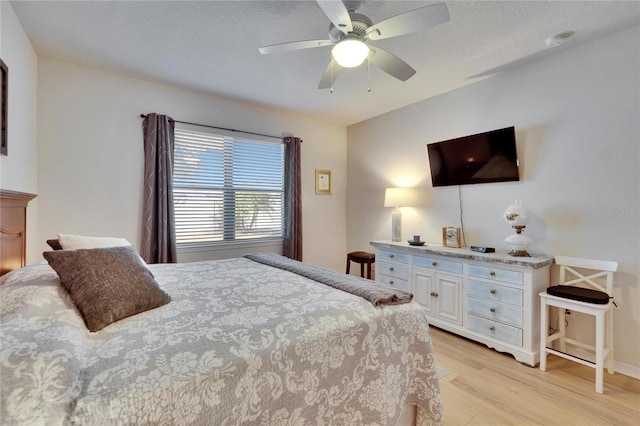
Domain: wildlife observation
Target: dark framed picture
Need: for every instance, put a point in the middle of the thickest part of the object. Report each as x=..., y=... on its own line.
x=3, y=107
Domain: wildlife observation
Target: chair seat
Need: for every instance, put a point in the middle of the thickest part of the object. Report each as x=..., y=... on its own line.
x=572, y=304
x=578, y=293
x=361, y=257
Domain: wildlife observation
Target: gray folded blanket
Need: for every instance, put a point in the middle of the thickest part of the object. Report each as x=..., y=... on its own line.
x=377, y=294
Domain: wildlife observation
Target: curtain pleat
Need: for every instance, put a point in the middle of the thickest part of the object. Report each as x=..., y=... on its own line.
x=158, y=222
x=292, y=243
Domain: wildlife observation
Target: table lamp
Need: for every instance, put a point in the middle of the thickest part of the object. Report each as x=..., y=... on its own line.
x=401, y=197
x=516, y=216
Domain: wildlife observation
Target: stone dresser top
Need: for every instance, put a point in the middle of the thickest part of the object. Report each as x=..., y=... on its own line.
x=534, y=262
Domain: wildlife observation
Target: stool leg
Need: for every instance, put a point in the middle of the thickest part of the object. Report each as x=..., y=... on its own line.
x=544, y=330
x=362, y=270
x=609, y=332
x=599, y=352
x=348, y=265
x=369, y=270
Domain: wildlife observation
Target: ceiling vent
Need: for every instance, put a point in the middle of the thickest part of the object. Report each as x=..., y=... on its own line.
x=558, y=39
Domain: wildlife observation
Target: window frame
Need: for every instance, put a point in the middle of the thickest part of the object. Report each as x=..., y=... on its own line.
x=229, y=221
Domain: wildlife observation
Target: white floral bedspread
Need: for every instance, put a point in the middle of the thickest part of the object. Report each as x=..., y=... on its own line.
x=240, y=343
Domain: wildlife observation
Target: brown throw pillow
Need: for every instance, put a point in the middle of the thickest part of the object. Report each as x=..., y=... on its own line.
x=106, y=284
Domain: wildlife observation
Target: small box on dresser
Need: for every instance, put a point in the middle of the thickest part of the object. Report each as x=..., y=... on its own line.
x=487, y=297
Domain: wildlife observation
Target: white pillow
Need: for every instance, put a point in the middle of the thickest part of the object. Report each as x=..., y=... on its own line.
x=74, y=242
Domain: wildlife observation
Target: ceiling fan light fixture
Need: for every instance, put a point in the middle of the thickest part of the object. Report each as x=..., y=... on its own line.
x=350, y=52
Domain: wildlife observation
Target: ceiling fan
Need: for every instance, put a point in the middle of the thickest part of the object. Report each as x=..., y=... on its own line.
x=350, y=34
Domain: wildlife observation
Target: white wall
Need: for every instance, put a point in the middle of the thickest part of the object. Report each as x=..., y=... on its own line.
x=91, y=155
x=578, y=137
x=18, y=170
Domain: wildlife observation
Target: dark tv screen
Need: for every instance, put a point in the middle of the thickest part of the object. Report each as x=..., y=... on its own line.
x=482, y=158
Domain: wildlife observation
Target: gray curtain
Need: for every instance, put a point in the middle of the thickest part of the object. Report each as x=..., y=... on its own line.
x=158, y=223
x=292, y=244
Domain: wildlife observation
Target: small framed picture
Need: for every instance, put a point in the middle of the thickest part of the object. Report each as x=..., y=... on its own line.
x=323, y=182
x=4, y=83
x=451, y=236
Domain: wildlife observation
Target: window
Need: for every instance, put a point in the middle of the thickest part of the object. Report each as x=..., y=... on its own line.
x=226, y=188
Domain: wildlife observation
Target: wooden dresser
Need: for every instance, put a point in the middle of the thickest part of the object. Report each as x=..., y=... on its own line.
x=13, y=229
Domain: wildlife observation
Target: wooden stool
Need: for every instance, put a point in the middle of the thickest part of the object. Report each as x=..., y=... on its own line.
x=361, y=257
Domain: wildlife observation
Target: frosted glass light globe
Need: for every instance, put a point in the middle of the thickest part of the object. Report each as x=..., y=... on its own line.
x=516, y=214
x=350, y=52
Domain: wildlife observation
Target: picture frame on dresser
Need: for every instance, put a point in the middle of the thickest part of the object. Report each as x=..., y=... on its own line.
x=4, y=101
x=451, y=237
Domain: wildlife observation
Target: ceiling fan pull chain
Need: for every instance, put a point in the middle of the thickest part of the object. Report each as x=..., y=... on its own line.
x=369, y=73
x=332, y=76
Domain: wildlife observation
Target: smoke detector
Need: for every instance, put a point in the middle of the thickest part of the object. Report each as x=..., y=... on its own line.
x=558, y=39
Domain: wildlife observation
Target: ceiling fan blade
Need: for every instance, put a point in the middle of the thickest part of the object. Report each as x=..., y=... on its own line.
x=391, y=64
x=409, y=22
x=337, y=14
x=329, y=75
x=295, y=45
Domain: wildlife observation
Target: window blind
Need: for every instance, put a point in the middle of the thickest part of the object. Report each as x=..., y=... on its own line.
x=226, y=188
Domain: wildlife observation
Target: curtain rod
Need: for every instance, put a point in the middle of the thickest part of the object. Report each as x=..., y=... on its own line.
x=221, y=128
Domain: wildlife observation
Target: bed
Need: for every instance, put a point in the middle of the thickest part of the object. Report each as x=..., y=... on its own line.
x=240, y=342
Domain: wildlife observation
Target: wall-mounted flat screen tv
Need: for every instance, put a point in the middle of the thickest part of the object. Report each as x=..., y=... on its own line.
x=482, y=158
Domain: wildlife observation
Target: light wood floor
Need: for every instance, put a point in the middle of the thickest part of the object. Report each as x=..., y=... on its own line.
x=486, y=387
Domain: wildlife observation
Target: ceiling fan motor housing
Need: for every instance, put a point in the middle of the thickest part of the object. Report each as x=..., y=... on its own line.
x=360, y=24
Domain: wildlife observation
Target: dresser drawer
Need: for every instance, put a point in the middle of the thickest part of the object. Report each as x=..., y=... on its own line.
x=495, y=311
x=495, y=292
x=392, y=256
x=439, y=264
x=397, y=270
x=503, y=332
x=393, y=282
x=504, y=275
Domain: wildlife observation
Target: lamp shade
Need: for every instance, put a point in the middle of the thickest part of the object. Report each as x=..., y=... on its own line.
x=516, y=214
x=350, y=52
x=404, y=197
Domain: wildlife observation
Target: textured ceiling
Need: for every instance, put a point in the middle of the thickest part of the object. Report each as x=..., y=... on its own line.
x=212, y=46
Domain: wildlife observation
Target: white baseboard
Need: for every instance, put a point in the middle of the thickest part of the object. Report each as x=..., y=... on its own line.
x=619, y=367
x=627, y=370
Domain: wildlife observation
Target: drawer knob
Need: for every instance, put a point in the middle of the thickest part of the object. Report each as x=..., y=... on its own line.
x=391, y=268
x=492, y=309
x=391, y=282
x=493, y=291
x=434, y=264
x=492, y=328
x=492, y=273
x=434, y=294
x=391, y=256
